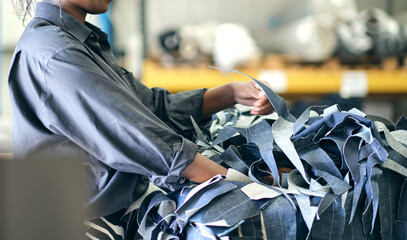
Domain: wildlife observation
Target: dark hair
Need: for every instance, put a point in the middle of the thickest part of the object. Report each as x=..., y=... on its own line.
x=24, y=8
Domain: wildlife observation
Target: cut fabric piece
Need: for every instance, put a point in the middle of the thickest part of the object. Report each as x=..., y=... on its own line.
x=334, y=175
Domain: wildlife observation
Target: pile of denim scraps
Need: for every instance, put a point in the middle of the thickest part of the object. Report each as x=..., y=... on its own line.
x=348, y=179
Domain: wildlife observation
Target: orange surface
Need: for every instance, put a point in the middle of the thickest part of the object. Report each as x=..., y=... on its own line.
x=299, y=80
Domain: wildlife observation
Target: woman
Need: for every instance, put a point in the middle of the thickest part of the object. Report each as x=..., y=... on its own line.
x=71, y=97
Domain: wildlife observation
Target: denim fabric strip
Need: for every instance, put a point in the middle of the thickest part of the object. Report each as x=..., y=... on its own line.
x=377, y=156
x=227, y=210
x=236, y=176
x=233, y=159
x=320, y=160
x=136, y=205
x=228, y=116
x=297, y=185
x=353, y=229
x=246, y=121
x=280, y=219
x=328, y=199
x=388, y=123
x=304, y=117
x=351, y=156
x=390, y=188
x=256, y=191
x=396, y=163
x=333, y=146
x=226, y=133
x=330, y=145
x=257, y=171
x=252, y=228
x=308, y=212
x=152, y=223
x=400, y=226
x=337, y=185
x=305, y=143
x=393, y=143
x=358, y=187
x=331, y=110
x=279, y=104
x=402, y=206
x=261, y=134
x=199, y=135
x=282, y=132
x=355, y=111
x=374, y=185
x=330, y=122
x=203, y=198
x=401, y=123
x=143, y=210
x=344, y=196
x=284, y=180
x=195, y=233
x=367, y=222
x=331, y=223
x=373, y=152
x=191, y=203
x=400, y=136
x=215, y=232
x=166, y=236
x=365, y=133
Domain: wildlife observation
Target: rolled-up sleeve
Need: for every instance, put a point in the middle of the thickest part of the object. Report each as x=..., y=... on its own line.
x=176, y=109
x=108, y=119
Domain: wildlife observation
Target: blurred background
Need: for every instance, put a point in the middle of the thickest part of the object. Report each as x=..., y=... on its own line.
x=312, y=52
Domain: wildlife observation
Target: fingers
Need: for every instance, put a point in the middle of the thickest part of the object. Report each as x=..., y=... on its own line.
x=262, y=110
x=262, y=106
x=251, y=94
x=257, y=86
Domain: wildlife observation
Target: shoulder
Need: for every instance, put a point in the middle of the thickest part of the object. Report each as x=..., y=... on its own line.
x=42, y=40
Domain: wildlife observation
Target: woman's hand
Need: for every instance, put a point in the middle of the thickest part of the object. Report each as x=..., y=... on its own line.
x=247, y=93
x=251, y=94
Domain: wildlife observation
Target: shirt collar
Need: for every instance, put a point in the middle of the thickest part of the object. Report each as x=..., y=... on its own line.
x=63, y=20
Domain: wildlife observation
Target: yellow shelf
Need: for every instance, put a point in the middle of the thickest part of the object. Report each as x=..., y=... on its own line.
x=298, y=80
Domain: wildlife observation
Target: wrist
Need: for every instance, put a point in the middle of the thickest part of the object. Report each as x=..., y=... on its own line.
x=232, y=90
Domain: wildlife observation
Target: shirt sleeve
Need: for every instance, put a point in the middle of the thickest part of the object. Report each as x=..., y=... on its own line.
x=107, y=119
x=176, y=109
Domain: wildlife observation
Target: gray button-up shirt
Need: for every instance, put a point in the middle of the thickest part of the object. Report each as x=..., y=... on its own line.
x=71, y=97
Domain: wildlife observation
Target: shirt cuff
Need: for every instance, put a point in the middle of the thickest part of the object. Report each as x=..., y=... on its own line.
x=184, y=156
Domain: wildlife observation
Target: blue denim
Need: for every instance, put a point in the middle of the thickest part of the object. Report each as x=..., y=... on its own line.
x=280, y=219
x=261, y=134
x=353, y=229
x=348, y=174
x=390, y=183
x=331, y=223
x=233, y=159
x=401, y=124
x=203, y=198
x=400, y=226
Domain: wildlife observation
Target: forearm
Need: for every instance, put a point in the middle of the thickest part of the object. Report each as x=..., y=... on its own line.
x=217, y=99
x=202, y=169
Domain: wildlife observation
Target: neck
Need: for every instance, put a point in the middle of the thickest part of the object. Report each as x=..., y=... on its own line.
x=69, y=8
